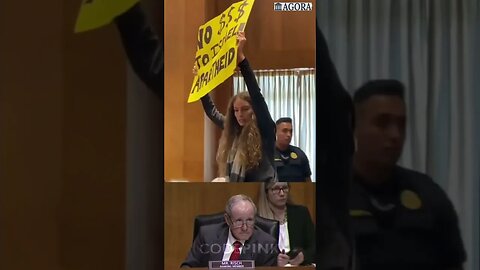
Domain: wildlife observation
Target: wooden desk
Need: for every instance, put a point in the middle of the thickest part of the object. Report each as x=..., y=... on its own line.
x=267, y=268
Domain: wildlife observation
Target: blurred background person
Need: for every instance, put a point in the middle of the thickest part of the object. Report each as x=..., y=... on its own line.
x=401, y=218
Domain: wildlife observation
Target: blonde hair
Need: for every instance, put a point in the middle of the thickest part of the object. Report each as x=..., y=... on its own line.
x=264, y=205
x=249, y=143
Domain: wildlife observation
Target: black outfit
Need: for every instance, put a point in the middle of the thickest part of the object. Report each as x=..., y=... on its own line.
x=394, y=231
x=335, y=148
x=145, y=53
x=301, y=231
x=292, y=165
x=265, y=171
x=143, y=48
x=209, y=245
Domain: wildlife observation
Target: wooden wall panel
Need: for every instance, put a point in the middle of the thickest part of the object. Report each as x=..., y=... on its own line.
x=62, y=139
x=31, y=122
x=93, y=201
x=183, y=122
x=184, y=201
x=278, y=39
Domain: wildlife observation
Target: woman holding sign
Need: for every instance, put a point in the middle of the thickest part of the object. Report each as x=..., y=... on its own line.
x=246, y=149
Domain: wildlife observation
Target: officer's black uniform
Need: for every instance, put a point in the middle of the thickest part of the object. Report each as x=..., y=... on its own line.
x=292, y=165
x=408, y=223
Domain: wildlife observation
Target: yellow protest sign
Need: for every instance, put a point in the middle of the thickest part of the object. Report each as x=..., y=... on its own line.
x=216, y=56
x=96, y=13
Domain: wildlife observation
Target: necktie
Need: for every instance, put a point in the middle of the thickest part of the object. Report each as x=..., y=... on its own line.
x=236, y=251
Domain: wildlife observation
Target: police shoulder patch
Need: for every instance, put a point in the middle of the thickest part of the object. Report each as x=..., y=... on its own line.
x=410, y=199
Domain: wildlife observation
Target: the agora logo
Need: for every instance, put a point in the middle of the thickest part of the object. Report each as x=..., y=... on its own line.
x=292, y=6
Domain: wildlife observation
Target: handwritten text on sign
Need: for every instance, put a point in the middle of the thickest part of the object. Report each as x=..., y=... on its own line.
x=216, y=56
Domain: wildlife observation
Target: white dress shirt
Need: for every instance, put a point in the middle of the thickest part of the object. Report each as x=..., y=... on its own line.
x=229, y=246
x=284, y=240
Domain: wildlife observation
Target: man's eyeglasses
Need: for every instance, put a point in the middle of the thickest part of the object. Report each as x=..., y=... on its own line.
x=276, y=190
x=239, y=223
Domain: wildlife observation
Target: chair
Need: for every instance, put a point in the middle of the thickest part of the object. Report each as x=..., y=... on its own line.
x=269, y=226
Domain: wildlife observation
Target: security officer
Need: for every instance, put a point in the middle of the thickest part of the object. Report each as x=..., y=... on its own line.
x=401, y=219
x=291, y=162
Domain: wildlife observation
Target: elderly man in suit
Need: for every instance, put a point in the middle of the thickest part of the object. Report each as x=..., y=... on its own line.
x=236, y=239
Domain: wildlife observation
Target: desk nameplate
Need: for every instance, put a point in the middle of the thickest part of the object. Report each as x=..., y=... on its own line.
x=240, y=264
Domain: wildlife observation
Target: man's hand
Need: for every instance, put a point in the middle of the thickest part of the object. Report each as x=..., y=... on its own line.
x=241, y=39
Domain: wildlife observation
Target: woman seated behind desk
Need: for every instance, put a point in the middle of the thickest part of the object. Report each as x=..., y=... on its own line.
x=297, y=231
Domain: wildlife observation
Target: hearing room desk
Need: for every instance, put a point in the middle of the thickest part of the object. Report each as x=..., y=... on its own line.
x=268, y=268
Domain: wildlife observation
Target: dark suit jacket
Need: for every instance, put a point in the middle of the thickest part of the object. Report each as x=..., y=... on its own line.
x=209, y=245
x=301, y=231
